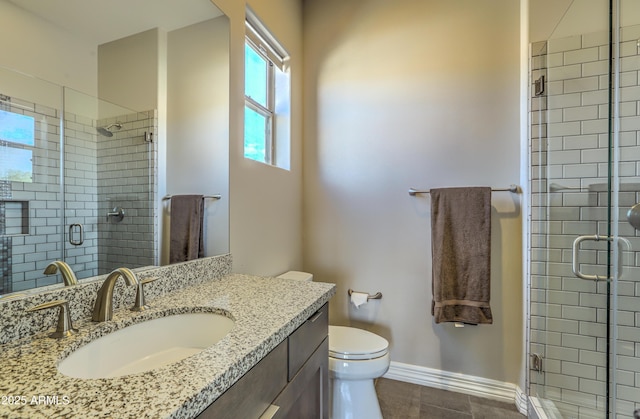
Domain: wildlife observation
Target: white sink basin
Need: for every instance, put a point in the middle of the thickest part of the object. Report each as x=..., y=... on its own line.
x=146, y=346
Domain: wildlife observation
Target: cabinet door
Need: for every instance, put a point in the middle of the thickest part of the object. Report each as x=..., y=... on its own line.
x=253, y=393
x=307, y=395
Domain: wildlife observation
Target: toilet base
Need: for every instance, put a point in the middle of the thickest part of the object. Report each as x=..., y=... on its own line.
x=353, y=399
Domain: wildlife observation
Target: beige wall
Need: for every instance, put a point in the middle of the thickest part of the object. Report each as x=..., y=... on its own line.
x=127, y=71
x=422, y=94
x=62, y=58
x=198, y=125
x=53, y=55
x=266, y=202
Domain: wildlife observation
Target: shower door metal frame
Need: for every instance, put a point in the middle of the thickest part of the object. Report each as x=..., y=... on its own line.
x=611, y=236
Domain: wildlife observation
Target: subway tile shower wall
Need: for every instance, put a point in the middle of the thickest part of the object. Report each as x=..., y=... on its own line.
x=81, y=192
x=29, y=253
x=127, y=179
x=100, y=173
x=569, y=147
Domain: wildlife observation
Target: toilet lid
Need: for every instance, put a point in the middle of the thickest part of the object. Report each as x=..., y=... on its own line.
x=352, y=343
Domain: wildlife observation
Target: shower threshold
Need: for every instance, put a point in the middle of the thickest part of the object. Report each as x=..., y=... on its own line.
x=543, y=409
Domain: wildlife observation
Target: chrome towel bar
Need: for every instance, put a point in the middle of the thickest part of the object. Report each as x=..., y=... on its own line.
x=511, y=188
x=376, y=296
x=218, y=196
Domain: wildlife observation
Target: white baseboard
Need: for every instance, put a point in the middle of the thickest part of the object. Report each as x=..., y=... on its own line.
x=521, y=400
x=461, y=383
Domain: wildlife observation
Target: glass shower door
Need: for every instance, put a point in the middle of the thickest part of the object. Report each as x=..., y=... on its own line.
x=78, y=181
x=585, y=289
x=570, y=339
x=109, y=185
x=625, y=300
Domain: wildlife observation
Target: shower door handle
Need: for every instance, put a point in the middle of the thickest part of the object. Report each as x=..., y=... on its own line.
x=576, y=253
x=72, y=229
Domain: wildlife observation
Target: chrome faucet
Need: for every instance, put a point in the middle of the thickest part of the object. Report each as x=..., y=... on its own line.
x=68, y=277
x=103, y=308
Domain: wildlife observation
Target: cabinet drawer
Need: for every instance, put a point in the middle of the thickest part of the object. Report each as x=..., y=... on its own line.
x=254, y=392
x=306, y=338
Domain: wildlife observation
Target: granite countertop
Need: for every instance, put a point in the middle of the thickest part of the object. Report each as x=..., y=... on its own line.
x=265, y=310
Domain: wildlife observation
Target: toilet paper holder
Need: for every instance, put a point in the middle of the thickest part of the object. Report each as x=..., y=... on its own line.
x=376, y=296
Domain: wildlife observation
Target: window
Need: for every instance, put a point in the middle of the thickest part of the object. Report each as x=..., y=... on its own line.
x=17, y=140
x=258, y=108
x=266, y=110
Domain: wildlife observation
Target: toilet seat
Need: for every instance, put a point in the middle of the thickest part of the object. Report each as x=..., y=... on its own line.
x=356, y=344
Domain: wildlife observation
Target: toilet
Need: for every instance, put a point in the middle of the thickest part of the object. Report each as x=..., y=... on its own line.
x=356, y=358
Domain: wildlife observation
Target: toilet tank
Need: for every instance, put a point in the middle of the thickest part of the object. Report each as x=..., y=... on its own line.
x=297, y=275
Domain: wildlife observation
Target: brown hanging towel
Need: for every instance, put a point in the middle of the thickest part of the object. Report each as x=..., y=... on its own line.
x=461, y=254
x=186, y=228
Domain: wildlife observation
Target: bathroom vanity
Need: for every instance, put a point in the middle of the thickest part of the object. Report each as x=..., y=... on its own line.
x=276, y=353
x=292, y=381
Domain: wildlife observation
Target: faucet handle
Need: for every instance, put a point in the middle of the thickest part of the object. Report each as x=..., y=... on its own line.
x=140, y=304
x=65, y=327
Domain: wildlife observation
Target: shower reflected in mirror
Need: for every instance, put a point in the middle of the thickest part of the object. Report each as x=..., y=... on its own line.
x=107, y=131
x=87, y=134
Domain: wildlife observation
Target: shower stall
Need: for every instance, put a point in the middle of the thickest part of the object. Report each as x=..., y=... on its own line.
x=584, y=270
x=77, y=183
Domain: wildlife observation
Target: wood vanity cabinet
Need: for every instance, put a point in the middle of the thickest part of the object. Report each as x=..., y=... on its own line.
x=292, y=381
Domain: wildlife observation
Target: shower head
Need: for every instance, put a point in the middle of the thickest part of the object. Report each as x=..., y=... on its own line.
x=106, y=131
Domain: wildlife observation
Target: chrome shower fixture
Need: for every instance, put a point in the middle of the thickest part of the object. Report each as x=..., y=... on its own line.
x=106, y=131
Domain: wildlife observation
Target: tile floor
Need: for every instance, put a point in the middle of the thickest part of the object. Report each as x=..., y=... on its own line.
x=400, y=400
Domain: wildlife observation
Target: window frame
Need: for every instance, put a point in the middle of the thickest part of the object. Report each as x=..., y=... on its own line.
x=260, y=40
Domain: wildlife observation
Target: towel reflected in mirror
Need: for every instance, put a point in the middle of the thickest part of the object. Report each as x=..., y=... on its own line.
x=186, y=228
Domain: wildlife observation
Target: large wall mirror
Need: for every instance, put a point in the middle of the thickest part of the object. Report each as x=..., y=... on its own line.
x=108, y=109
